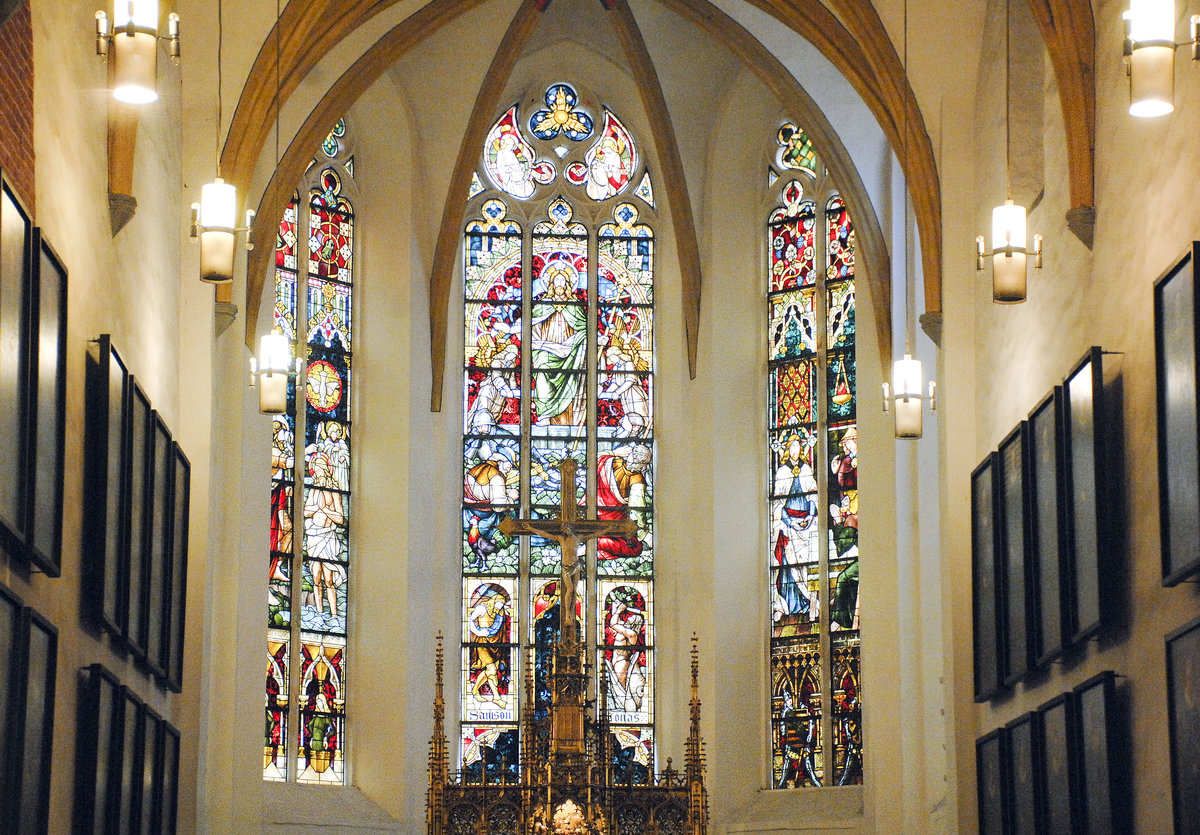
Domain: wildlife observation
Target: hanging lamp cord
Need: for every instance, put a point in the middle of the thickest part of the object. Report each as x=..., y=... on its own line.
x=220, y=81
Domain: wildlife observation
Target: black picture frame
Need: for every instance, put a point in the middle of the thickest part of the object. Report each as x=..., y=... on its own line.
x=37, y=734
x=175, y=618
x=1058, y=789
x=170, y=779
x=1046, y=526
x=107, y=484
x=1102, y=770
x=1014, y=585
x=1177, y=369
x=1087, y=479
x=157, y=555
x=12, y=688
x=150, y=806
x=987, y=605
x=98, y=751
x=139, y=511
x=47, y=406
x=129, y=784
x=16, y=238
x=1183, y=722
x=1024, y=761
x=991, y=769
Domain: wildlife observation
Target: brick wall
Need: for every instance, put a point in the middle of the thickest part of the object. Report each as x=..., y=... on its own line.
x=16, y=102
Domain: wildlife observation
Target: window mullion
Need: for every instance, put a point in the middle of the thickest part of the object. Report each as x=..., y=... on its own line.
x=296, y=572
x=821, y=460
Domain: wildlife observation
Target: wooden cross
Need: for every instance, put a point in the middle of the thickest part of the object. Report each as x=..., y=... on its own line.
x=569, y=531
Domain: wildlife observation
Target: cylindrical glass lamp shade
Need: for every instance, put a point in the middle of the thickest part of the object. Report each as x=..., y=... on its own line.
x=1152, y=64
x=135, y=68
x=906, y=397
x=1152, y=81
x=135, y=64
x=218, y=213
x=1008, y=253
x=274, y=364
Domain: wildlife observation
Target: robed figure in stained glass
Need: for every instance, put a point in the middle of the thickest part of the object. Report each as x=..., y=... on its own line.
x=559, y=346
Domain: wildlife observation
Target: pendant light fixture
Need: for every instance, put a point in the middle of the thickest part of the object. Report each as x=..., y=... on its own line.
x=905, y=397
x=214, y=218
x=1150, y=55
x=132, y=46
x=1009, y=233
x=270, y=371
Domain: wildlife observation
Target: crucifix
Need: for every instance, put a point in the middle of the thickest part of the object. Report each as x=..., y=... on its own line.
x=569, y=531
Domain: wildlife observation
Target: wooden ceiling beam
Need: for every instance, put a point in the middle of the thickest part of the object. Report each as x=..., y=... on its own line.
x=332, y=106
x=674, y=180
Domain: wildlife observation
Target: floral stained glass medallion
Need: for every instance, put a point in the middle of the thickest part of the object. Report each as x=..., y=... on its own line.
x=797, y=152
x=560, y=116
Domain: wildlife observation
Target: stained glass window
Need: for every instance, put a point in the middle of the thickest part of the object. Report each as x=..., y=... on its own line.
x=815, y=698
x=558, y=362
x=306, y=626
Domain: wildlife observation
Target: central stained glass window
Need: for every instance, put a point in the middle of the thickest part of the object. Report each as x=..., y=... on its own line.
x=558, y=281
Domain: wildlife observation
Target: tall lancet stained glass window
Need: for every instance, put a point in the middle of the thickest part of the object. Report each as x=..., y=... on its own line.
x=558, y=362
x=306, y=666
x=815, y=699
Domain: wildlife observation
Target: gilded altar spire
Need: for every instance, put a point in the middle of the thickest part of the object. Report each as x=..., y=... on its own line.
x=694, y=757
x=439, y=757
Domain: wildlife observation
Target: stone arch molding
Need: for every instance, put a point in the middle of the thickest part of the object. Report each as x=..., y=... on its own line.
x=849, y=34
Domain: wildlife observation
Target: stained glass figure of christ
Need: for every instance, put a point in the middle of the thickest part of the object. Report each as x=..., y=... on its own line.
x=558, y=367
x=814, y=641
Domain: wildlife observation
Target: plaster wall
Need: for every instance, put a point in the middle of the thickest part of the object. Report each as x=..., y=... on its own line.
x=1145, y=219
x=129, y=286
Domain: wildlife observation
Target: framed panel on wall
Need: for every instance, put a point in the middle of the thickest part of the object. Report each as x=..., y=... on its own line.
x=141, y=448
x=987, y=611
x=150, y=808
x=98, y=752
x=129, y=776
x=16, y=239
x=1183, y=722
x=47, y=407
x=1012, y=567
x=174, y=620
x=1103, y=770
x=106, y=483
x=37, y=734
x=1046, y=529
x=991, y=769
x=1058, y=792
x=12, y=688
x=1176, y=347
x=1087, y=479
x=154, y=578
x=170, y=779
x=1024, y=761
